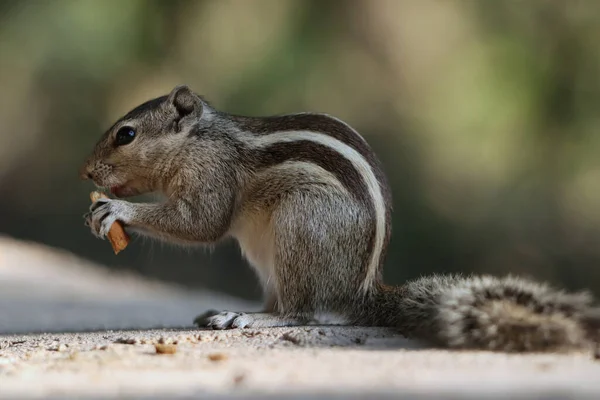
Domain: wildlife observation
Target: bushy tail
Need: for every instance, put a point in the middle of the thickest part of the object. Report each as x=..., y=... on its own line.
x=488, y=313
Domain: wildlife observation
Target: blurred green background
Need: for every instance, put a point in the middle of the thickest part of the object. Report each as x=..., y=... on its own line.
x=484, y=113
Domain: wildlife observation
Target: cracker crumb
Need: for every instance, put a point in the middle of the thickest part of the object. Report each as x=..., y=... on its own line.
x=165, y=348
x=217, y=357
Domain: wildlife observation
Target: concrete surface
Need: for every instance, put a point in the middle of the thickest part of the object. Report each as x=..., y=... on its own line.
x=68, y=329
x=48, y=290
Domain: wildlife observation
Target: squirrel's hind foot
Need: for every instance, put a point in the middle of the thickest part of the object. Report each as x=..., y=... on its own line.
x=231, y=320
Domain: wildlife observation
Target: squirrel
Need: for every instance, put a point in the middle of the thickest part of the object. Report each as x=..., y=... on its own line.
x=308, y=202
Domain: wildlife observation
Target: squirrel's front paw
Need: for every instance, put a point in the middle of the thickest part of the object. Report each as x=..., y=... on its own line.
x=104, y=212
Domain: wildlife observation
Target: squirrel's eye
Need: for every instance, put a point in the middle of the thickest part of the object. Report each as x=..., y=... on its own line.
x=124, y=136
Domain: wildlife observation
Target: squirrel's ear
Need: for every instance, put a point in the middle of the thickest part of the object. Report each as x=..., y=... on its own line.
x=184, y=101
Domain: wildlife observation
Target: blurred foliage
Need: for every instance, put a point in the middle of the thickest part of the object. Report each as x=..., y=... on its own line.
x=485, y=114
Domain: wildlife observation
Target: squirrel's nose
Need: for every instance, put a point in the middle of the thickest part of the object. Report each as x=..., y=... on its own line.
x=84, y=173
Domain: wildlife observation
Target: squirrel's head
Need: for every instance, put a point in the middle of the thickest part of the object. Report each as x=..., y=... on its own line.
x=136, y=154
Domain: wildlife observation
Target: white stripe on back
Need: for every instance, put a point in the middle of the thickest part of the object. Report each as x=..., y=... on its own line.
x=363, y=168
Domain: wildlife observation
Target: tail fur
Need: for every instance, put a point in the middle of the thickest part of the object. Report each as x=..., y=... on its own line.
x=488, y=313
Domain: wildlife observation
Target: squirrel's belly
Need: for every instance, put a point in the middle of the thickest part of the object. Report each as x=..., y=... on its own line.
x=255, y=236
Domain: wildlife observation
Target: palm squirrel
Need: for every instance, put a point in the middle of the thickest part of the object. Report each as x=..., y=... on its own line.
x=310, y=206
